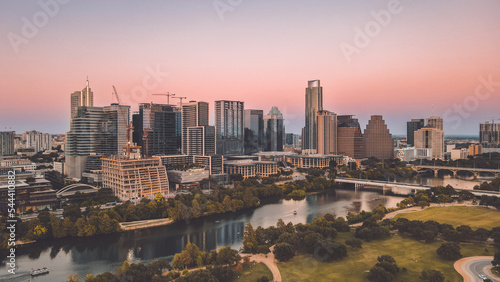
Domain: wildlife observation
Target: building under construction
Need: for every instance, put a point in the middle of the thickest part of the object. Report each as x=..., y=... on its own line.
x=131, y=178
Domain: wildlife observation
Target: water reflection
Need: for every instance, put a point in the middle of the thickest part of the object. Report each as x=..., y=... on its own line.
x=105, y=253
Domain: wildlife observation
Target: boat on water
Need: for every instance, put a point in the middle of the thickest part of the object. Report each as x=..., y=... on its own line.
x=39, y=271
x=294, y=212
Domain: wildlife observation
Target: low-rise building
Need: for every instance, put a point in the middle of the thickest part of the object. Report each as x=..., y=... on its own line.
x=313, y=161
x=459, y=154
x=475, y=149
x=36, y=195
x=248, y=168
x=186, y=178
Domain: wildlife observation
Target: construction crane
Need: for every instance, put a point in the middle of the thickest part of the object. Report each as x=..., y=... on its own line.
x=130, y=128
x=180, y=98
x=168, y=94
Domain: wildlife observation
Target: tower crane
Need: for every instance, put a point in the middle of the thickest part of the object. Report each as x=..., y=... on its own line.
x=180, y=98
x=130, y=128
x=168, y=94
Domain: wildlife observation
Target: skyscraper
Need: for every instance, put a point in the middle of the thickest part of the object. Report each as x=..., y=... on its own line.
x=253, y=121
x=81, y=98
x=429, y=137
x=274, y=130
x=201, y=140
x=326, y=125
x=314, y=103
x=489, y=134
x=411, y=127
x=6, y=143
x=349, y=137
x=377, y=140
x=435, y=122
x=229, y=127
x=123, y=120
x=93, y=131
x=160, y=123
x=193, y=114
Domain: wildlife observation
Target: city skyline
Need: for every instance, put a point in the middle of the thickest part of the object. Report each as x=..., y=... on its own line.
x=257, y=53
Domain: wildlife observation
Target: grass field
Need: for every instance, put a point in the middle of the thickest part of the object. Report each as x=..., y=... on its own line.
x=475, y=217
x=252, y=272
x=358, y=262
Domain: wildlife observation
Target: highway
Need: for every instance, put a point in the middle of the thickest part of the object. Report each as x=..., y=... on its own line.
x=472, y=267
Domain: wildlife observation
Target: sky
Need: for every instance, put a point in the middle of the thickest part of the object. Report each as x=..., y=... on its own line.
x=399, y=59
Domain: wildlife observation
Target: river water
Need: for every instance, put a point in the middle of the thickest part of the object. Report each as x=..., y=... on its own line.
x=105, y=253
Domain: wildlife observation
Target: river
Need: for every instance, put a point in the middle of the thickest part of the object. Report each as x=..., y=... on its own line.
x=105, y=253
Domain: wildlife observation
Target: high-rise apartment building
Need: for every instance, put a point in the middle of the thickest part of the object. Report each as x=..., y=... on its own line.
x=159, y=125
x=37, y=140
x=314, y=103
x=411, y=127
x=229, y=127
x=6, y=143
x=274, y=130
x=123, y=120
x=435, y=122
x=377, y=140
x=93, y=131
x=489, y=134
x=349, y=137
x=253, y=121
x=193, y=114
x=201, y=141
x=429, y=137
x=326, y=128
x=84, y=98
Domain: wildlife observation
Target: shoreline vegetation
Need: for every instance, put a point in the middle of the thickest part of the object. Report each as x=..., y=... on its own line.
x=147, y=213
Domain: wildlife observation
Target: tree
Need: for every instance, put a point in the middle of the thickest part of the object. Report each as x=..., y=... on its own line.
x=449, y=251
x=432, y=275
x=72, y=211
x=73, y=278
x=239, y=268
x=496, y=259
x=283, y=251
x=249, y=239
x=228, y=256
x=355, y=243
x=198, y=275
x=311, y=240
x=329, y=250
x=379, y=274
x=263, y=279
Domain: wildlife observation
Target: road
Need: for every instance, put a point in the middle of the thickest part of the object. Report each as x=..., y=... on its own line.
x=471, y=267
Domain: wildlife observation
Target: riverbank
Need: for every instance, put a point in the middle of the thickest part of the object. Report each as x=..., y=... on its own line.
x=147, y=223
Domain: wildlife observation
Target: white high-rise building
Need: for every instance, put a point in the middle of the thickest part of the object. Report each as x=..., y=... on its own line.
x=37, y=140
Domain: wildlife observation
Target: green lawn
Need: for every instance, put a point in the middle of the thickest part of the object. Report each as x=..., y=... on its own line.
x=475, y=217
x=252, y=272
x=358, y=262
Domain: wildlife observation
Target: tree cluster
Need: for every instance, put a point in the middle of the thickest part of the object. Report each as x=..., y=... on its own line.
x=429, y=230
x=385, y=269
x=192, y=256
x=315, y=238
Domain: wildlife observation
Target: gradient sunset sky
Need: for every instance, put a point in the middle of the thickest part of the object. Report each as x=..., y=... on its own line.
x=428, y=58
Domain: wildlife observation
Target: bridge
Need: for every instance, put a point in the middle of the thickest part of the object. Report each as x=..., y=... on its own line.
x=454, y=170
x=72, y=189
x=389, y=186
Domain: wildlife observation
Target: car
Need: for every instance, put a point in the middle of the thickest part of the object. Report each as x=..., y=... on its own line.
x=483, y=276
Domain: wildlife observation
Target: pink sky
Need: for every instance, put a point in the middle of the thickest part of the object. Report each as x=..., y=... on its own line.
x=427, y=59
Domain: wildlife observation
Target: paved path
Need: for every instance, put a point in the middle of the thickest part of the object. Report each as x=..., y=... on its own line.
x=270, y=262
x=471, y=267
